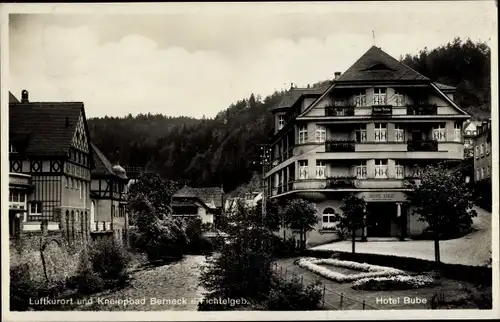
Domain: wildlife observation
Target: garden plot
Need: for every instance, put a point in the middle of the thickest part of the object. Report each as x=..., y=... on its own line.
x=345, y=271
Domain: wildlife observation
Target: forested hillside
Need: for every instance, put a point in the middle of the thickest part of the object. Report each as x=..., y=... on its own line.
x=222, y=150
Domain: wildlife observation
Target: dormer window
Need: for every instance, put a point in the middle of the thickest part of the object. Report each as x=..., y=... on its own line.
x=281, y=122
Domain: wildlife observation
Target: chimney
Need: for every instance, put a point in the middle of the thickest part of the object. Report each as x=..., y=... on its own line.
x=337, y=75
x=24, y=96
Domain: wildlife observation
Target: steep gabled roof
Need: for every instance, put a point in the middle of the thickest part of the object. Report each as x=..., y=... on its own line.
x=44, y=128
x=185, y=192
x=376, y=65
x=294, y=94
x=102, y=165
x=209, y=195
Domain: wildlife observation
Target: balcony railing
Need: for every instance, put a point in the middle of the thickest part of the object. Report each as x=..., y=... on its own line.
x=381, y=110
x=422, y=145
x=333, y=110
x=421, y=109
x=339, y=146
x=340, y=182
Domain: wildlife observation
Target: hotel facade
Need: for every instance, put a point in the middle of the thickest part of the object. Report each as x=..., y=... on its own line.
x=366, y=132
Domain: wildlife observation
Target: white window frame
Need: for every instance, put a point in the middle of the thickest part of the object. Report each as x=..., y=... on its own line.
x=330, y=220
x=303, y=134
x=320, y=133
x=399, y=98
x=380, y=132
x=399, y=133
x=362, y=134
x=439, y=132
x=281, y=122
x=320, y=169
x=457, y=132
x=38, y=212
x=399, y=170
x=361, y=170
x=303, y=170
x=360, y=99
x=379, y=96
x=18, y=204
x=380, y=169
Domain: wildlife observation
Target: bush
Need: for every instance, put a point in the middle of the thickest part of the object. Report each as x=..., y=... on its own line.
x=22, y=287
x=392, y=283
x=109, y=259
x=293, y=296
x=90, y=283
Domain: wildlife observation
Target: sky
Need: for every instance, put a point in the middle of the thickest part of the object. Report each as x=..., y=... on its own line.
x=196, y=59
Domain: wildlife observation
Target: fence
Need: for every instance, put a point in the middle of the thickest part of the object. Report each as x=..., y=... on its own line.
x=330, y=299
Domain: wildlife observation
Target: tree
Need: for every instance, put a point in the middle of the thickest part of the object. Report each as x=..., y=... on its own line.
x=272, y=218
x=352, y=217
x=442, y=200
x=300, y=215
x=151, y=187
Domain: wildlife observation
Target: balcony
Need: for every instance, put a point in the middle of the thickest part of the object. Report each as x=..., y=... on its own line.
x=422, y=145
x=421, y=109
x=340, y=182
x=340, y=146
x=333, y=110
x=381, y=110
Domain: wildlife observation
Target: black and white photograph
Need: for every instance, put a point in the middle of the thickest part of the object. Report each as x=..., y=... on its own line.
x=236, y=161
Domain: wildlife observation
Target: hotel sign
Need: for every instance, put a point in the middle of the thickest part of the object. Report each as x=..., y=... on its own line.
x=382, y=109
x=396, y=196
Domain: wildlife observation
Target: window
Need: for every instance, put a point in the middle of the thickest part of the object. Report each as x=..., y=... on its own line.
x=66, y=181
x=381, y=169
x=302, y=134
x=457, y=132
x=320, y=170
x=35, y=209
x=482, y=172
x=361, y=134
x=400, y=170
x=439, y=132
x=81, y=189
x=399, y=98
x=481, y=149
x=71, y=183
x=303, y=169
x=361, y=170
x=281, y=122
x=487, y=147
x=399, y=134
x=360, y=99
x=380, y=132
x=478, y=175
x=12, y=149
x=477, y=151
x=380, y=96
x=320, y=133
x=329, y=221
x=77, y=184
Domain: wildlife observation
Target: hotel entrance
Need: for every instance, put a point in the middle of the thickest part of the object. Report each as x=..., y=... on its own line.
x=381, y=219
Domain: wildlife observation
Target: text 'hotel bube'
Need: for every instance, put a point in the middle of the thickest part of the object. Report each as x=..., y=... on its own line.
x=366, y=132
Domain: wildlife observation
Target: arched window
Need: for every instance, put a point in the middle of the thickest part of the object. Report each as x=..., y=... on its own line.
x=328, y=218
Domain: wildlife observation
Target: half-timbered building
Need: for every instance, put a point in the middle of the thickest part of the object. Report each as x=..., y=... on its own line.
x=50, y=165
x=108, y=191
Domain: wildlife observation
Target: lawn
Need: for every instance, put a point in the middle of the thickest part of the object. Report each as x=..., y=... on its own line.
x=454, y=292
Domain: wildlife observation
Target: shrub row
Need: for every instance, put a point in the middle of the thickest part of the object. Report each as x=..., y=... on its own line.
x=400, y=282
x=475, y=274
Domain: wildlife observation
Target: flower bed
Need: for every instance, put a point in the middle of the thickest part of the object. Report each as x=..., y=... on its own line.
x=313, y=265
x=400, y=282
